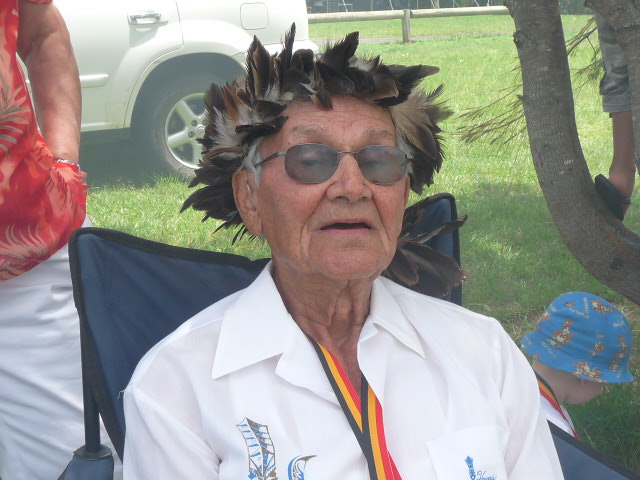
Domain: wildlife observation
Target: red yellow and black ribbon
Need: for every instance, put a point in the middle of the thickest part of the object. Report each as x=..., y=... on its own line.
x=547, y=392
x=365, y=417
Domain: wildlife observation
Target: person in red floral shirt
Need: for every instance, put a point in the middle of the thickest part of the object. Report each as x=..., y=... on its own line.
x=42, y=200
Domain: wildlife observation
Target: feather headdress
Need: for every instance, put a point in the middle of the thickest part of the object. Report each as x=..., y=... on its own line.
x=418, y=266
x=240, y=113
x=251, y=107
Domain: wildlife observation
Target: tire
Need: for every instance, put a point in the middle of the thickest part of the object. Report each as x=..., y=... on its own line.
x=168, y=122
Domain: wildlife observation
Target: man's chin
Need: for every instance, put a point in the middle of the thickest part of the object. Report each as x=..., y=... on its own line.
x=353, y=265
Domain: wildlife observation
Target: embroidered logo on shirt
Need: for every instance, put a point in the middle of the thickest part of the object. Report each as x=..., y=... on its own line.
x=480, y=474
x=296, y=467
x=472, y=472
x=262, y=453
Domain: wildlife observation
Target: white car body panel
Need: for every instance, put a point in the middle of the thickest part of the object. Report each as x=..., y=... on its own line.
x=116, y=53
x=109, y=75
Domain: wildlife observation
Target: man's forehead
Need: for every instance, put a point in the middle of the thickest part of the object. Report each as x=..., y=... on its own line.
x=306, y=117
x=308, y=129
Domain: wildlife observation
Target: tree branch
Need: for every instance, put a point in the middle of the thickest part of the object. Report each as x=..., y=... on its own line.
x=601, y=243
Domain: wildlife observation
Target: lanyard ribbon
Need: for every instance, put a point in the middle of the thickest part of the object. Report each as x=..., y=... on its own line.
x=365, y=417
x=547, y=392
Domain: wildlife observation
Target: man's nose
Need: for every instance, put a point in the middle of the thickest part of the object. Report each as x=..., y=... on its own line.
x=348, y=181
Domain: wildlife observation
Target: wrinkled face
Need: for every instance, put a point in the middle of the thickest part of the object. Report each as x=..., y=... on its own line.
x=345, y=228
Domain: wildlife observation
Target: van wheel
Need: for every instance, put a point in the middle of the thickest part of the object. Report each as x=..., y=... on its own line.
x=170, y=120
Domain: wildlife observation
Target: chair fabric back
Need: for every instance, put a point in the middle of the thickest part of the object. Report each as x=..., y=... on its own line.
x=581, y=462
x=130, y=293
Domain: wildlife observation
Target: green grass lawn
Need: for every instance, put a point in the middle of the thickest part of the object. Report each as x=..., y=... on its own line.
x=514, y=258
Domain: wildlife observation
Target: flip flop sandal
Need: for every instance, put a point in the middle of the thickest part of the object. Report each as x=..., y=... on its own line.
x=611, y=196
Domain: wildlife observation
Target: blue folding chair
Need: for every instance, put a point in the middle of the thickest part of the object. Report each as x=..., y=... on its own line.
x=130, y=293
x=581, y=462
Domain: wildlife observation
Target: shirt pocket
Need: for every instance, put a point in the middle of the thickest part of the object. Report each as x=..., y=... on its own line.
x=469, y=454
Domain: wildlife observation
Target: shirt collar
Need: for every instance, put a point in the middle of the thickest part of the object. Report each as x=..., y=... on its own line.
x=386, y=312
x=257, y=326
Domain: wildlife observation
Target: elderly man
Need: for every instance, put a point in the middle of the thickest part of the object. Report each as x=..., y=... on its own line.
x=321, y=369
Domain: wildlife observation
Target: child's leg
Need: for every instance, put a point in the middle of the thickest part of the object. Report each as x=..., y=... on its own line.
x=616, y=100
x=623, y=168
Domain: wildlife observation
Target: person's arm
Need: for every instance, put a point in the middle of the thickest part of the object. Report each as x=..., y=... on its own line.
x=158, y=446
x=530, y=452
x=45, y=48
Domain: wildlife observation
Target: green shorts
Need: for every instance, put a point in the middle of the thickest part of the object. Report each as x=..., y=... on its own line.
x=614, y=85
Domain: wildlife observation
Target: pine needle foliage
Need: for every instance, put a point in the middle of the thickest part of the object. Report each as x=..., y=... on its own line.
x=502, y=120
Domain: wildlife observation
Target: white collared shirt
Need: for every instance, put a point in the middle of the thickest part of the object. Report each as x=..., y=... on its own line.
x=239, y=389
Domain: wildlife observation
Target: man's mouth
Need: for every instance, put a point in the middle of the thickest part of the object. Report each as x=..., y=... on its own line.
x=346, y=226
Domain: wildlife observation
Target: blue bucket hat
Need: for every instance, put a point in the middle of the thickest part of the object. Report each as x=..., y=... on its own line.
x=585, y=335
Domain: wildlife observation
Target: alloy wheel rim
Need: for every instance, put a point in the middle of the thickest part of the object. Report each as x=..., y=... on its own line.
x=184, y=125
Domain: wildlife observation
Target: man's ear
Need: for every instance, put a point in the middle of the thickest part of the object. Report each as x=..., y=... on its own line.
x=407, y=190
x=244, y=194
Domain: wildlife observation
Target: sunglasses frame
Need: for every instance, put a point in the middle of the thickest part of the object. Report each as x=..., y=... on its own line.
x=355, y=154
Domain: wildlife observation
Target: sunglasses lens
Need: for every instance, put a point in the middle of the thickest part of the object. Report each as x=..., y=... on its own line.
x=381, y=164
x=315, y=163
x=311, y=162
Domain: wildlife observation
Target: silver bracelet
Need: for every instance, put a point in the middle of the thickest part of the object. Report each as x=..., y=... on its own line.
x=63, y=160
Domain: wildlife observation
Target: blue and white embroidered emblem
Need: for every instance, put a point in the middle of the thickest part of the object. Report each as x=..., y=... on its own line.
x=480, y=474
x=296, y=467
x=472, y=472
x=262, y=453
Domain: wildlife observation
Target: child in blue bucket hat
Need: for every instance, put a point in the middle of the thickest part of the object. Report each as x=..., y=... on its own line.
x=580, y=343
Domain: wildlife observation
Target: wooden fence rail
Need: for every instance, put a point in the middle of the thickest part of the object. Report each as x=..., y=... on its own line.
x=405, y=15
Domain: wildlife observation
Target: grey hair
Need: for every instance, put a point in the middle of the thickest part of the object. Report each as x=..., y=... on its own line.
x=252, y=158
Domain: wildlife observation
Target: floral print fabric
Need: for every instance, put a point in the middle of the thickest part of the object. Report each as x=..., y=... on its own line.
x=41, y=202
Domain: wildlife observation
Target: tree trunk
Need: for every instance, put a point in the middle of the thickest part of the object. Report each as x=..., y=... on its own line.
x=602, y=244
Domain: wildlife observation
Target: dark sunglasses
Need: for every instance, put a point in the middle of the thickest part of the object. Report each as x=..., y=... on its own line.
x=316, y=163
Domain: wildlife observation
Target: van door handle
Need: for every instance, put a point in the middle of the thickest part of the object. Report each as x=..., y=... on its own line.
x=145, y=17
